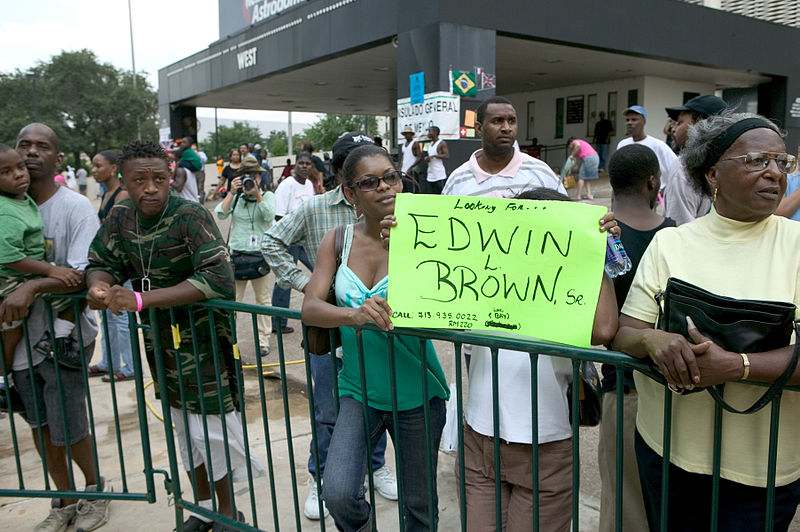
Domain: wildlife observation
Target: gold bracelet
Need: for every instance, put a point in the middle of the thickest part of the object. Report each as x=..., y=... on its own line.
x=746, y=366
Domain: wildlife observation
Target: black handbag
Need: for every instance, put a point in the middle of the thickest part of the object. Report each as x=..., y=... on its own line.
x=738, y=325
x=319, y=338
x=589, y=408
x=248, y=265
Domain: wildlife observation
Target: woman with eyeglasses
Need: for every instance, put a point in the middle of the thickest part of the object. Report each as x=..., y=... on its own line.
x=742, y=251
x=371, y=183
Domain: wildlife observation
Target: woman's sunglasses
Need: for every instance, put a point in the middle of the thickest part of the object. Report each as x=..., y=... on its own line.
x=371, y=182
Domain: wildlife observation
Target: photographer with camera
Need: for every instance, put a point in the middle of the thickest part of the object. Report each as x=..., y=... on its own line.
x=253, y=212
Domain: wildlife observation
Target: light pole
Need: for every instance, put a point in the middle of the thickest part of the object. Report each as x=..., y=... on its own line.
x=133, y=62
x=34, y=76
x=216, y=131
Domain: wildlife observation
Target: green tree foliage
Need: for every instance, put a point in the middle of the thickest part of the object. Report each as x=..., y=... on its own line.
x=90, y=105
x=324, y=132
x=276, y=142
x=232, y=137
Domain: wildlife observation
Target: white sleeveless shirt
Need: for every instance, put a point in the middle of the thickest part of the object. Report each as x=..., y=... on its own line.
x=436, y=171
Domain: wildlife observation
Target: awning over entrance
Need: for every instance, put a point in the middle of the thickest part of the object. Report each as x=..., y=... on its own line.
x=355, y=56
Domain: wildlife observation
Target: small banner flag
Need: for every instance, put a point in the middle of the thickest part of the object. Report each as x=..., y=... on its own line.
x=464, y=83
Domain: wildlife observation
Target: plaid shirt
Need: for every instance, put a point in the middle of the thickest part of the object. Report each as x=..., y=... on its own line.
x=305, y=226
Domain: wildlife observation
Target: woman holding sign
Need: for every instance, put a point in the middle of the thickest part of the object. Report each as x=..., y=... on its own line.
x=739, y=250
x=371, y=183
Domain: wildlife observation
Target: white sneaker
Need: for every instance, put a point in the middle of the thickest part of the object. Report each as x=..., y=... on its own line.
x=385, y=483
x=311, y=506
x=58, y=520
x=92, y=513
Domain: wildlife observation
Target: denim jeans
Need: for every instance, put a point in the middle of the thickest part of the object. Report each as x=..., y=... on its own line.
x=281, y=297
x=119, y=338
x=602, y=152
x=325, y=414
x=343, y=489
x=741, y=507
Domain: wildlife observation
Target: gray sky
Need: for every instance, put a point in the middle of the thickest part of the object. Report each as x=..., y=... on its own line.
x=163, y=32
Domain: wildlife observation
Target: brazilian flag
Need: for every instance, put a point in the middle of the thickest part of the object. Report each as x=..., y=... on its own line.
x=464, y=83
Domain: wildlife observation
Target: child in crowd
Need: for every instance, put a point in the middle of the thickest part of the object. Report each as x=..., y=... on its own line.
x=21, y=243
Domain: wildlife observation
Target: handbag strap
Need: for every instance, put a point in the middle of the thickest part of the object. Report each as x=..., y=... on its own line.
x=230, y=225
x=338, y=248
x=774, y=390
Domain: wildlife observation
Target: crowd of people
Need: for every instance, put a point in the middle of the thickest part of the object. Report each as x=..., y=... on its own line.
x=718, y=208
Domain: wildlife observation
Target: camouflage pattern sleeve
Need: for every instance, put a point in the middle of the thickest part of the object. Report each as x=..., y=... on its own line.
x=105, y=251
x=213, y=272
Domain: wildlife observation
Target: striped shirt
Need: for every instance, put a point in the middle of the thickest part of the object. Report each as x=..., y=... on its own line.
x=522, y=173
x=305, y=226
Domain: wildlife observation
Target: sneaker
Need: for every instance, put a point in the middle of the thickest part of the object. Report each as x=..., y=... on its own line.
x=311, y=507
x=58, y=520
x=219, y=527
x=92, y=513
x=194, y=524
x=385, y=483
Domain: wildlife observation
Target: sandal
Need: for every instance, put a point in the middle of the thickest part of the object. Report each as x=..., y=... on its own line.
x=96, y=371
x=117, y=377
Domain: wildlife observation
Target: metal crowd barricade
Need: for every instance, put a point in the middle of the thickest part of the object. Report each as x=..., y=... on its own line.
x=274, y=445
x=118, y=469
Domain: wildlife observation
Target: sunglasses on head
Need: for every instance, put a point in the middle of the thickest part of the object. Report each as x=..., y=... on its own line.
x=368, y=182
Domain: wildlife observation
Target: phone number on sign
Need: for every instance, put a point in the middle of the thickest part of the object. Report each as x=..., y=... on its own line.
x=454, y=319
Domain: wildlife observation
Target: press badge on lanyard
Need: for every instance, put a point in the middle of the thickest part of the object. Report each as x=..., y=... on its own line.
x=253, y=241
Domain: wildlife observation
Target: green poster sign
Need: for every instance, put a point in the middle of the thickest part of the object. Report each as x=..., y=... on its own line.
x=512, y=266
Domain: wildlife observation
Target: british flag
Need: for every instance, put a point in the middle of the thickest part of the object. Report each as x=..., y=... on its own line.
x=488, y=81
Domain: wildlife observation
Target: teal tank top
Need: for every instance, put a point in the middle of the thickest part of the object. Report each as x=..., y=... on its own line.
x=351, y=292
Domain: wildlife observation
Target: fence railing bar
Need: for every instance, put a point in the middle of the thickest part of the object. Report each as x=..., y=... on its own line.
x=287, y=415
x=267, y=442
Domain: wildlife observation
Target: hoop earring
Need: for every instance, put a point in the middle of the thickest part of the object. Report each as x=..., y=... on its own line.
x=714, y=198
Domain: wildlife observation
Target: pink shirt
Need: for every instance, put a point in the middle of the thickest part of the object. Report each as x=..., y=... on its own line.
x=584, y=150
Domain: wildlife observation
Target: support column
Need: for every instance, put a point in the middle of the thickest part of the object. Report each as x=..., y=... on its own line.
x=183, y=121
x=436, y=49
x=780, y=100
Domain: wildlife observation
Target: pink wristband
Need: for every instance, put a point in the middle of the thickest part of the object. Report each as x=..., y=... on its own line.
x=138, y=301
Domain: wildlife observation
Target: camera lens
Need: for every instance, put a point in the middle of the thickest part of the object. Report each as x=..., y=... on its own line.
x=248, y=182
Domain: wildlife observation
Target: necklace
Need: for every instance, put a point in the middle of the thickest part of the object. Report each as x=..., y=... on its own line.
x=146, y=272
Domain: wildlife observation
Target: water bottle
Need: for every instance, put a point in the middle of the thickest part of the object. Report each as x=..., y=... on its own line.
x=617, y=261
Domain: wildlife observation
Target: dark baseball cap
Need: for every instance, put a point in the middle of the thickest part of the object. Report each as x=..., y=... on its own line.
x=345, y=144
x=706, y=105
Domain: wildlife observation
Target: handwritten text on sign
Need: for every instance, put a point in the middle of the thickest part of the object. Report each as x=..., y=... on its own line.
x=527, y=267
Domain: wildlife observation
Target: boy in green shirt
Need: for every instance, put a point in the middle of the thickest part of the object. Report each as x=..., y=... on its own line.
x=21, y=242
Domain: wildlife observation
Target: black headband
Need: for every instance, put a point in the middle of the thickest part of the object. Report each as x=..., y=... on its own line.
x=723, y=141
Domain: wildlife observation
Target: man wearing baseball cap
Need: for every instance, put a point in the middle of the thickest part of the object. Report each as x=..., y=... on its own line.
x=635, y=120
x=685, y=203
x=306, y=226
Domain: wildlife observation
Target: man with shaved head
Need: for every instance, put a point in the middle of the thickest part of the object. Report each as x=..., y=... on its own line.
x=69, y=224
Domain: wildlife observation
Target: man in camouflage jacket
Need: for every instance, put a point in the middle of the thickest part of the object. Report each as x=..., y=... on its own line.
x=174, y=255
